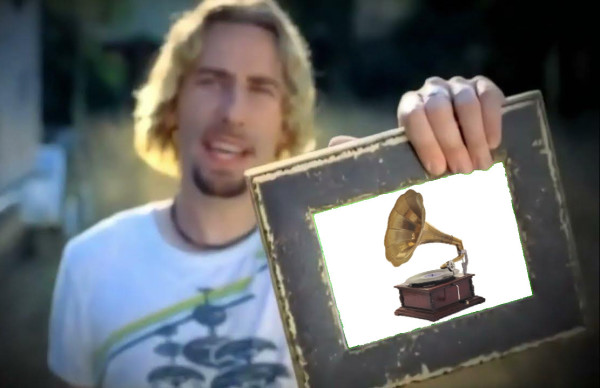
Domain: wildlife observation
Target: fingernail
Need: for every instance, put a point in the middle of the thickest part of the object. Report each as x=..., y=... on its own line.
x=428, y=167
x=439, y=169
x=434, y=169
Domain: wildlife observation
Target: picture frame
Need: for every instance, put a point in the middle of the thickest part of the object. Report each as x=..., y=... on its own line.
x=287, y=194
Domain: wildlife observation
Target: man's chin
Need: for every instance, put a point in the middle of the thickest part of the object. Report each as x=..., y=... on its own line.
x=220, y=189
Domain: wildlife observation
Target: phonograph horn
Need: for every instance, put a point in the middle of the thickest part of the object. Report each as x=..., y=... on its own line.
x=407, y=229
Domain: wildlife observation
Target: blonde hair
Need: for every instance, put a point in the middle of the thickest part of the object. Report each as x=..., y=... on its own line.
x=154, y=115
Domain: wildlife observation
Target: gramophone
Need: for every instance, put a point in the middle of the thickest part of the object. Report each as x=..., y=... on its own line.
x=429, y=295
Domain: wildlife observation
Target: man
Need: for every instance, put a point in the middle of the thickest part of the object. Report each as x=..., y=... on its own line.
x=178, y=293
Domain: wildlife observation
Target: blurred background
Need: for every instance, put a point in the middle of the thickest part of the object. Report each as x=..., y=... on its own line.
x=68, y=69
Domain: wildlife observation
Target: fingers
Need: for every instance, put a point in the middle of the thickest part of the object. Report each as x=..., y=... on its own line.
x=440, y=115
x=470, y=119
x=411, y=113
x=339, y=140
x=453, y=124
x=491, y=99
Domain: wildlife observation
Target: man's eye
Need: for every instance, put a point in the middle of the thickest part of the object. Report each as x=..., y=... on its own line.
x=263, y=90
x=206, y=80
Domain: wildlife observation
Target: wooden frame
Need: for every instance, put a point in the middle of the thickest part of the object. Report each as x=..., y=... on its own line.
x=287, y=193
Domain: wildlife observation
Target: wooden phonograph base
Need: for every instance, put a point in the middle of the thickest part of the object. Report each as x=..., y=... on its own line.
x=437, y=300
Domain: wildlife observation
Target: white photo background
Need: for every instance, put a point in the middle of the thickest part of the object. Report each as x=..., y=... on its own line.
x=476, y=208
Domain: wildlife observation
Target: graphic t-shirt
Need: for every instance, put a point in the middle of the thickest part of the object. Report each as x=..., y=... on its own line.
x=130, y=310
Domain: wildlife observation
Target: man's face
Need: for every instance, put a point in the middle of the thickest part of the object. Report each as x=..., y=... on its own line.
x=229, y=108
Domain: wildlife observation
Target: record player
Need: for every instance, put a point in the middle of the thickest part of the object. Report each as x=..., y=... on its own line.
x=430, y=295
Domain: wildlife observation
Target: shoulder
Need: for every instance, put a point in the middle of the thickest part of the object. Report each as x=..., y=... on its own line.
x=109, y=236
x=119, y=226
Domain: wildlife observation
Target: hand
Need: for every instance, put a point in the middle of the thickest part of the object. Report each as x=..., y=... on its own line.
x=453, y=125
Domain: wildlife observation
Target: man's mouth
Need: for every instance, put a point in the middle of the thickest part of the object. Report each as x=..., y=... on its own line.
x=225, y=150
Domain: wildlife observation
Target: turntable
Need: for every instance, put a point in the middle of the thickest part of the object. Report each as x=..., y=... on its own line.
x=430, y=295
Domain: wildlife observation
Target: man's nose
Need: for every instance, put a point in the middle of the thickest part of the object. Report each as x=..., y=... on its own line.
x=235, y=106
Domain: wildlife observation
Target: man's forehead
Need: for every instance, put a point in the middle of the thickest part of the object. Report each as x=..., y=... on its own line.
x=241, y=49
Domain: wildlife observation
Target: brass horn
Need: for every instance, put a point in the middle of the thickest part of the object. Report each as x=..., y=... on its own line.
x=407, y=229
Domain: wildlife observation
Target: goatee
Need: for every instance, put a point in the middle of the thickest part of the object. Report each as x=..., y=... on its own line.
x=206, y=187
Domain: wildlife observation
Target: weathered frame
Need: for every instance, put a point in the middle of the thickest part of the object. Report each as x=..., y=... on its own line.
x=287, y=193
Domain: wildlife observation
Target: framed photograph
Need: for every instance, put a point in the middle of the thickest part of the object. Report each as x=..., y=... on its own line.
x=385, y=275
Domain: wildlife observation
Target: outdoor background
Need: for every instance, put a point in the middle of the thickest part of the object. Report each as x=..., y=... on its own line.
x=68, y=69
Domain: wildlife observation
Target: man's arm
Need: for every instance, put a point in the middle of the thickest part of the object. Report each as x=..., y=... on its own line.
x=69, y=337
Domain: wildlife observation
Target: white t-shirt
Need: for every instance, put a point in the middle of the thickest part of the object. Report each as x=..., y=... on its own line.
x=130, y=310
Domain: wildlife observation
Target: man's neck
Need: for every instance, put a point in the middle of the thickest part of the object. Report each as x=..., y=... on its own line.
x=211, y=220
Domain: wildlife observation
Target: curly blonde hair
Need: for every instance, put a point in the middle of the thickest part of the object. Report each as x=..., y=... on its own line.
x=154, y=115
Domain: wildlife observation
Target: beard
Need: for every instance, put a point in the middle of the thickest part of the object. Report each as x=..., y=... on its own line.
x=213, y=189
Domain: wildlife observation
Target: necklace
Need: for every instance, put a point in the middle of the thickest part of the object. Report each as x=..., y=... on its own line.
x=184, y=236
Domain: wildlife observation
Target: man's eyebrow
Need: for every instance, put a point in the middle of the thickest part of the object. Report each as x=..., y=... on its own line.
x=253, y=79
x=213, y=71
x=265, y=80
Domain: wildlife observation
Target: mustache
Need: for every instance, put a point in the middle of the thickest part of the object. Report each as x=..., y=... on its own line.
x=225, y=130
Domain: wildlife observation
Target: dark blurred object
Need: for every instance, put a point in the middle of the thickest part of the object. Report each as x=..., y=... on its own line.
x=137, y=54
x=379, y=49
x=372, y=49
x=11, y=233
x=80, y=75
x=17, y=3
x=548, y=46
x=58, y=59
